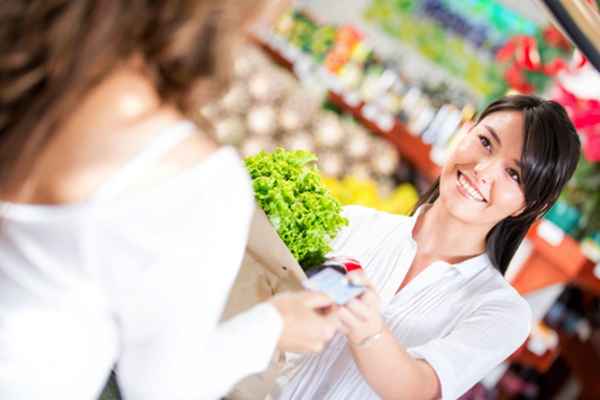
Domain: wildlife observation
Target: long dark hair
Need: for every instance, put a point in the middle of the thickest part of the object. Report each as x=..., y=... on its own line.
x=551, y=150
x=52, y=52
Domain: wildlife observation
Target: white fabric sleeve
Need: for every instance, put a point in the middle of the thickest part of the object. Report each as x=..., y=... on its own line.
x=477, y=345
x=176, y=362
x=53, y=354
x=241, y=346
x=173, y=358
x=170, y=262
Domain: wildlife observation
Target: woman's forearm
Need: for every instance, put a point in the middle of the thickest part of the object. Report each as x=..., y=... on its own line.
x=392, y=372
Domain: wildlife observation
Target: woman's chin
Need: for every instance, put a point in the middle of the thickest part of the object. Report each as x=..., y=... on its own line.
x=465, y=209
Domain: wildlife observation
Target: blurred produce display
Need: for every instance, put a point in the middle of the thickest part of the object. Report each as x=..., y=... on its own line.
x=579, y=207
x=267, y=108
x=577, y=88
x=350, y=68
x=482, y=42
x=408, y=21
x=351, y=190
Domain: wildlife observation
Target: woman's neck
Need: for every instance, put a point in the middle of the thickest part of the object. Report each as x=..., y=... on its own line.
x=441, y=236
x=125, y=98
x=106, y=129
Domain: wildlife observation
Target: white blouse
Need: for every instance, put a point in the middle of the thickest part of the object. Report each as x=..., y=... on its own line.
x=463, y=319
x=133, y=281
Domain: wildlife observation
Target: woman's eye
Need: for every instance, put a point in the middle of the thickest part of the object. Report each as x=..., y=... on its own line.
x=485, y=142
x=514, y=175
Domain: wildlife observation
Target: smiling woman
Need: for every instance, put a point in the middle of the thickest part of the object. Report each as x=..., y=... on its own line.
x=509, y=169
x=438, y=315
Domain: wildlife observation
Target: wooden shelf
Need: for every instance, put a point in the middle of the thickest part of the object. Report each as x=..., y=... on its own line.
x=541, y=363
x=567, y=256
x=277, y=57
x=586, y=279
x=549, y=265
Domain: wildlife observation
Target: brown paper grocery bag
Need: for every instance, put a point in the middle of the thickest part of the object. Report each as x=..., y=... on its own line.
x=268, y=268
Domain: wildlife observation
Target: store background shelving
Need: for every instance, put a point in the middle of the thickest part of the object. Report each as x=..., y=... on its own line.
x=408, y=144
x=554, y=263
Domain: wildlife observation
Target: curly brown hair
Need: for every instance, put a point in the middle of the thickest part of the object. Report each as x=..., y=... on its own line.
x=52, y=52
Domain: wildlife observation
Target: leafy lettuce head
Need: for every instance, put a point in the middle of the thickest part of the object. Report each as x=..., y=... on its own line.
x=288, y=188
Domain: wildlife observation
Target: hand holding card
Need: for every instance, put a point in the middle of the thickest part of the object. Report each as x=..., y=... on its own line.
x=334, y=284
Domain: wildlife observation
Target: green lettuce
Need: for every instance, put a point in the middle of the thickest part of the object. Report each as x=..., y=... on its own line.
x=288, y=187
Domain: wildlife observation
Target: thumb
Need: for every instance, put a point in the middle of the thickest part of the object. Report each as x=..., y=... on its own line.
x=316, y=300
x=359, y=278
x=334, y=320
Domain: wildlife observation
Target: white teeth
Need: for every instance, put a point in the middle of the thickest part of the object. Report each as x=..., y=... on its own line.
x=469, y=188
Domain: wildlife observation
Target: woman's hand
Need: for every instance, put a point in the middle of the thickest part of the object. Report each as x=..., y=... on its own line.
x=361, y=316
x=308, y=321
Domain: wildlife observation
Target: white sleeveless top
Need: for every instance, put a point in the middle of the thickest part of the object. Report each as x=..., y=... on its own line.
x=137, y=281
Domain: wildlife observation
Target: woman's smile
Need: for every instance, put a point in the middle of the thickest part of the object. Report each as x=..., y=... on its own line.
x=468, y=189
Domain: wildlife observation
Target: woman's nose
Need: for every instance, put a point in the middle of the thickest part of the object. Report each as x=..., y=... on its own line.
x=484, y=171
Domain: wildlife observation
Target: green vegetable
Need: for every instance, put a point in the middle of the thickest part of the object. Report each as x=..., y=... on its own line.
x=288, y=188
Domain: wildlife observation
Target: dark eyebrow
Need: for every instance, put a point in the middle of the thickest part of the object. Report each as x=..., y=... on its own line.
x=494, y=134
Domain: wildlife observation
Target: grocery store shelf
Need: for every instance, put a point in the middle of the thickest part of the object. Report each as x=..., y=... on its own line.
x=409, y=145
x=272, y=53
